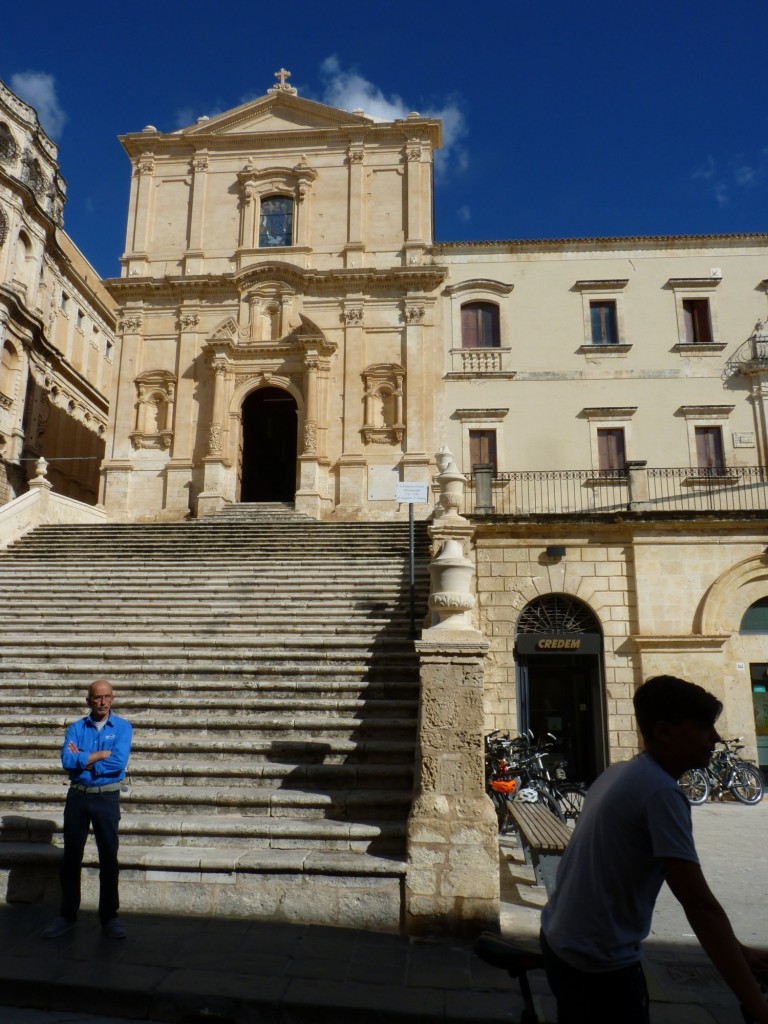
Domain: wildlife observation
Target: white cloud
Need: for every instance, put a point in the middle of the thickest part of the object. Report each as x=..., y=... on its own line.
x=725, y=179
x=464, y=214
x=39, y=90
x=349, y=90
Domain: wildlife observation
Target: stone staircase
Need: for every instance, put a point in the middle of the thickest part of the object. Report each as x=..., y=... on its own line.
x=265, y=662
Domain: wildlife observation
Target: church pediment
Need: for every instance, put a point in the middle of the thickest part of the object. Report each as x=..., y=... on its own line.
x=276, y=113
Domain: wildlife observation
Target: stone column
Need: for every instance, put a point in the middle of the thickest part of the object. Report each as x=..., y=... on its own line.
x=452, y=885
x=637, y=474
x=355, y=246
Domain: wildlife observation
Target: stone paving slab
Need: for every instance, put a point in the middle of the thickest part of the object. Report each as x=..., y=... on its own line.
x=176, y=970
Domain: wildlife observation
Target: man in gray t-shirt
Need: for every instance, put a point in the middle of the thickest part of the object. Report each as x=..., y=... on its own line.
x=634, y=833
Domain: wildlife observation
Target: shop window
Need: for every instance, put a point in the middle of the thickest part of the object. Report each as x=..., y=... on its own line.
x=755, y=618
x=611, y=450
x=603, y=323
x=480, y=325
x=698, y=322
x=482, y=449
x=276, y=221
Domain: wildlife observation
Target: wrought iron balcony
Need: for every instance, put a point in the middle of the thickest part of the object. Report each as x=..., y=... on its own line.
x=638, y=488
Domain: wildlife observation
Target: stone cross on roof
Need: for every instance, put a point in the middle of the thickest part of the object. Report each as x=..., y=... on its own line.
x=282, y=85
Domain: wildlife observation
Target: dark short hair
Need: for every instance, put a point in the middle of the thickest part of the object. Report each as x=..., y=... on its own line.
x=669, y=699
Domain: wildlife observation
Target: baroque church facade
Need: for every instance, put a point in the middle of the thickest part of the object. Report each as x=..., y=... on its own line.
x=57, y=323
x=289, y=330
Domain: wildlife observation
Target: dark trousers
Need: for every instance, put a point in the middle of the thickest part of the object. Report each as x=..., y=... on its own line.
x=102, y=811
x=607, y=997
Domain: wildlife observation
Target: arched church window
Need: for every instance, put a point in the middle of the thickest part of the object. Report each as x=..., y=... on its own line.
x=7, y=145
x=33, y=176
x=755, y=619
x=480, y=325
x=276, y=221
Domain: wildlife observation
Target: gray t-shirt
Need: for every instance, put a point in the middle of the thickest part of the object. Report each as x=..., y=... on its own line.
x=635, y=816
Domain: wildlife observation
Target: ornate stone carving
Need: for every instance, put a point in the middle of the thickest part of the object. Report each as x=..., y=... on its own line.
x=383, y=384
x=5, y=401
x=214, y=439
x=310, y=438
x=282, y=77
x=413, y=152
x=200, y=163
x=414, y=314
x=129, y=323
x=355, y=156
x=353, y=317
x=187, y=320
x=145, y=164
x=156, y=395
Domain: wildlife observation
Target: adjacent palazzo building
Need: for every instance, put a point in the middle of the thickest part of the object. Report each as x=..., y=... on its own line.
x=56, y=322
x=289, y=330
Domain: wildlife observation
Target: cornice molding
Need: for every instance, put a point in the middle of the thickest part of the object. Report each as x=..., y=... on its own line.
x=345, y=280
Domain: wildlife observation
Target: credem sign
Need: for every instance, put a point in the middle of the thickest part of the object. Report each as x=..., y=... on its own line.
x=559, y=643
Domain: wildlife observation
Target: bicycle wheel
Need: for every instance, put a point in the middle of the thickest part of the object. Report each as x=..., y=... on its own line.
x=695, y=784
x=571, y=797
x=747, y=784
x=546, y=798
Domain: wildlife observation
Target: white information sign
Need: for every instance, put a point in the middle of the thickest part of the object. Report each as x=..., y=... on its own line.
x=411, y=494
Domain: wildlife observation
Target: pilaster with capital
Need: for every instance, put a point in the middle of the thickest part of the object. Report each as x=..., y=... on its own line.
x=419, y=397
x=144, y=170
x=195, y=243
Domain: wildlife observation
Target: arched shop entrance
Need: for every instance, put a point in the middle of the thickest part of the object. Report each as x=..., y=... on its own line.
x=268, y=446
x=559, y=653
x=755, y=622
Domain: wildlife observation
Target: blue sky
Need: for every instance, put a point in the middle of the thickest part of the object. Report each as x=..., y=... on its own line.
x=563, y=119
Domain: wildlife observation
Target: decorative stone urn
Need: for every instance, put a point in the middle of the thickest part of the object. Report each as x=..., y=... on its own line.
x=450, y=598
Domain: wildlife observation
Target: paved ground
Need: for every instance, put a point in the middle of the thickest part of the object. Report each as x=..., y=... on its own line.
x=198, y=971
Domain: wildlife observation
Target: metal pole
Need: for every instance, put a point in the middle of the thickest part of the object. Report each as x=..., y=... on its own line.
x=412, y=569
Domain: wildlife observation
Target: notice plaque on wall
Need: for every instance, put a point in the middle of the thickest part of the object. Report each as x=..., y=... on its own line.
x=411, y=494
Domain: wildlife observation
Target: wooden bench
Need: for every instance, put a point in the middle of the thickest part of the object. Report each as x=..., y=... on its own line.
x=543, y=839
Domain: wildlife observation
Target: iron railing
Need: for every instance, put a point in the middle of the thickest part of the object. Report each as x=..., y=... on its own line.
x=564, y=491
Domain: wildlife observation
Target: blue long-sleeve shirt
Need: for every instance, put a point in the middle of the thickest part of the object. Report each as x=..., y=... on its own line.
x=115, y=735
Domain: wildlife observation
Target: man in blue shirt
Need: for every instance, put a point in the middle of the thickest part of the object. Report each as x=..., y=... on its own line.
x=95, y=756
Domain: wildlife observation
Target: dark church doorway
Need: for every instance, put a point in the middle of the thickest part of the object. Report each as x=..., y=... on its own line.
x=268, y=446
x=559, y=650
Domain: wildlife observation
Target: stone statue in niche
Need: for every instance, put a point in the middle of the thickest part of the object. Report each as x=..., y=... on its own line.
x=156, y=396
x=383, y=387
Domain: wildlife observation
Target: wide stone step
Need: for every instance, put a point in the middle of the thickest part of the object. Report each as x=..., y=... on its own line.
x=145, y=686
x=246, y=772
x=223, y=705
x=178, y=800
x=219, y=749
x=172, y=833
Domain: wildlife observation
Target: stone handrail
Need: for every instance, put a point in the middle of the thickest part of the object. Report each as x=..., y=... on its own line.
x=40, y=505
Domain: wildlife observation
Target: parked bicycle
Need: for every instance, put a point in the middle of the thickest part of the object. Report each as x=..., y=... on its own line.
x=515, y=770
x=726, y=773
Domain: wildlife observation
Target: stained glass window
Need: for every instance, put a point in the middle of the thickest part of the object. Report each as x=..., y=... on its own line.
x=276, y=221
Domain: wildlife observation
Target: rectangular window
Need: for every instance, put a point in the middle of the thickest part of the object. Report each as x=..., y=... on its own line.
x=64, y=304
x=480, y=325
x=80, y=319
x=611, y=451
x=482, y=448
x=698, y=323
x=709, y=449
x=604, y=323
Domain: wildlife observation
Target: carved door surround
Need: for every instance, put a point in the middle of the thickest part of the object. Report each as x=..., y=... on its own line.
x=299, y=362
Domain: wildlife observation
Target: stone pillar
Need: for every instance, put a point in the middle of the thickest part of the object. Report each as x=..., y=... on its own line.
x=352, y=464
x=637, y=474
x=452, y=885
x=212, y=496
x=355, y=246
x=483, y=488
